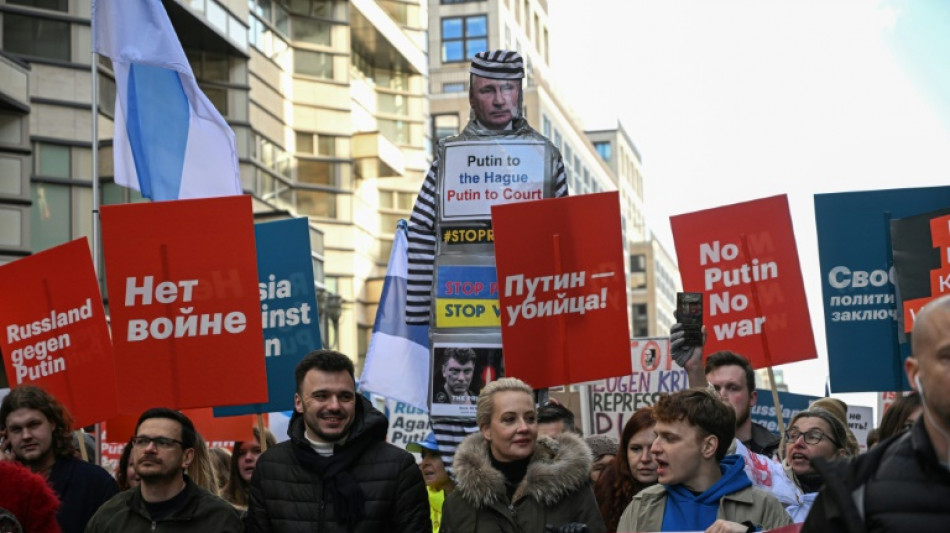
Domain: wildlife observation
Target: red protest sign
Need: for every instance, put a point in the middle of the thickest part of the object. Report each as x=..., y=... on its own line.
x=743, y=258
x=563, y=291
x=230, y=428
x=54, y=330
x=183, y=294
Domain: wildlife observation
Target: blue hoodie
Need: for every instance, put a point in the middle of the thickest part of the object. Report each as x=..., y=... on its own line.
x=686, y=511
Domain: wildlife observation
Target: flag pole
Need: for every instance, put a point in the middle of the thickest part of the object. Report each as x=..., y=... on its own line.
x=95, y=150
x=94, y=70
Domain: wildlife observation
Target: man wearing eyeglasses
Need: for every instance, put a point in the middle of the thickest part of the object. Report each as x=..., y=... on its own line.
x=167, y=500
x=35, y=431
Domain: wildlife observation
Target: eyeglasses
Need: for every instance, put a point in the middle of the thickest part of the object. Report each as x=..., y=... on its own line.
x=813, y=436
x=162, y=443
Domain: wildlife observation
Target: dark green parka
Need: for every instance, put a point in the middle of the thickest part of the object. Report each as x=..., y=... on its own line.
x=556, y=490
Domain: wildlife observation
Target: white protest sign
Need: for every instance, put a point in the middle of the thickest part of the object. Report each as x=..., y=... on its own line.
x=478, y=175
x=609, y=403
x=406, y=424
x=861, y=422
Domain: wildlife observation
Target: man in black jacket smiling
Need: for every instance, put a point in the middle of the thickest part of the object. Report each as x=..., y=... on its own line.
x=337, y=472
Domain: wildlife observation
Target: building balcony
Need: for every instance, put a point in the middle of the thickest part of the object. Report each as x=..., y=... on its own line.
x=382, y=41
x=14, y=84
x=375, y=156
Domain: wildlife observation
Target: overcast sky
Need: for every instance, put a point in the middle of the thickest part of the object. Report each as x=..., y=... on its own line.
x=729, y=101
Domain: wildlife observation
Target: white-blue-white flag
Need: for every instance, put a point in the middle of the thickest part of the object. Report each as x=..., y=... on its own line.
x=397, y=361
x=170, y=142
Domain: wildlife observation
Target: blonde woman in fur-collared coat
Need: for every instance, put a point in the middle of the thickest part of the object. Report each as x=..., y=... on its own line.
x=508, y=480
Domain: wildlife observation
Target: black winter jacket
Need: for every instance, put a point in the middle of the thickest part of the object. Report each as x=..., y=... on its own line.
x=203, y=512
x=287, y=496
x=899, y=485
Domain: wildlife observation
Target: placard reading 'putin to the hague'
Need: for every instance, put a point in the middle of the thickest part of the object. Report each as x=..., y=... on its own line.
x=478, y=175
x=54, y=333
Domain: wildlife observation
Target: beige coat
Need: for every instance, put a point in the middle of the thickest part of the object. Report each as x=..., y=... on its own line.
x=645, y=512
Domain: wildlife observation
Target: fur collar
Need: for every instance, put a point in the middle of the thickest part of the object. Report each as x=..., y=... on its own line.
x=558, y=467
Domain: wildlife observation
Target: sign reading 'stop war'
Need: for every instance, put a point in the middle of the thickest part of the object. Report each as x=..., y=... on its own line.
x=479, y=175
x=865, y=349
x=466, y=296
x=744, y=259
x=54, y=333
x=185, y=303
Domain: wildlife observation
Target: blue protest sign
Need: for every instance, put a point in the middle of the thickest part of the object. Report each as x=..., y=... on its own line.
x=763, y=412
x=288, y=310
x=865, y=352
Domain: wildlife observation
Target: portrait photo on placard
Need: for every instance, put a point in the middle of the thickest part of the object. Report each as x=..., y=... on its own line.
x=458, y=375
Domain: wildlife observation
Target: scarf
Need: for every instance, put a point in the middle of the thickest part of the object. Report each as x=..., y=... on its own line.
x=334, y=471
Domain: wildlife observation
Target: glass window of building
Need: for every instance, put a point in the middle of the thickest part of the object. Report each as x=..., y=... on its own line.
x=638, y=263
x=453, y=87
x=463, y=37
x=50, y=217
x=603, y=148
x=317, y=64
x=641, y=321
x=445, y=125
x=304, y=142
x=311, y=31
x=326, y=9
x=51, y=160
x=53, y=5
x=37, y=37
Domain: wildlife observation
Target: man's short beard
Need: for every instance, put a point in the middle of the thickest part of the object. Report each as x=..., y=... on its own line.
x=159, y=478
x=325, y=437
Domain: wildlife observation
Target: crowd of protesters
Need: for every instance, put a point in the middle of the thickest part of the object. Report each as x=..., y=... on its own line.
x=679, y=465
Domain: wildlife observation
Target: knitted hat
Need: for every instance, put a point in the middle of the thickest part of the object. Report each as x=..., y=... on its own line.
x=601, y=445
x=498, y=65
